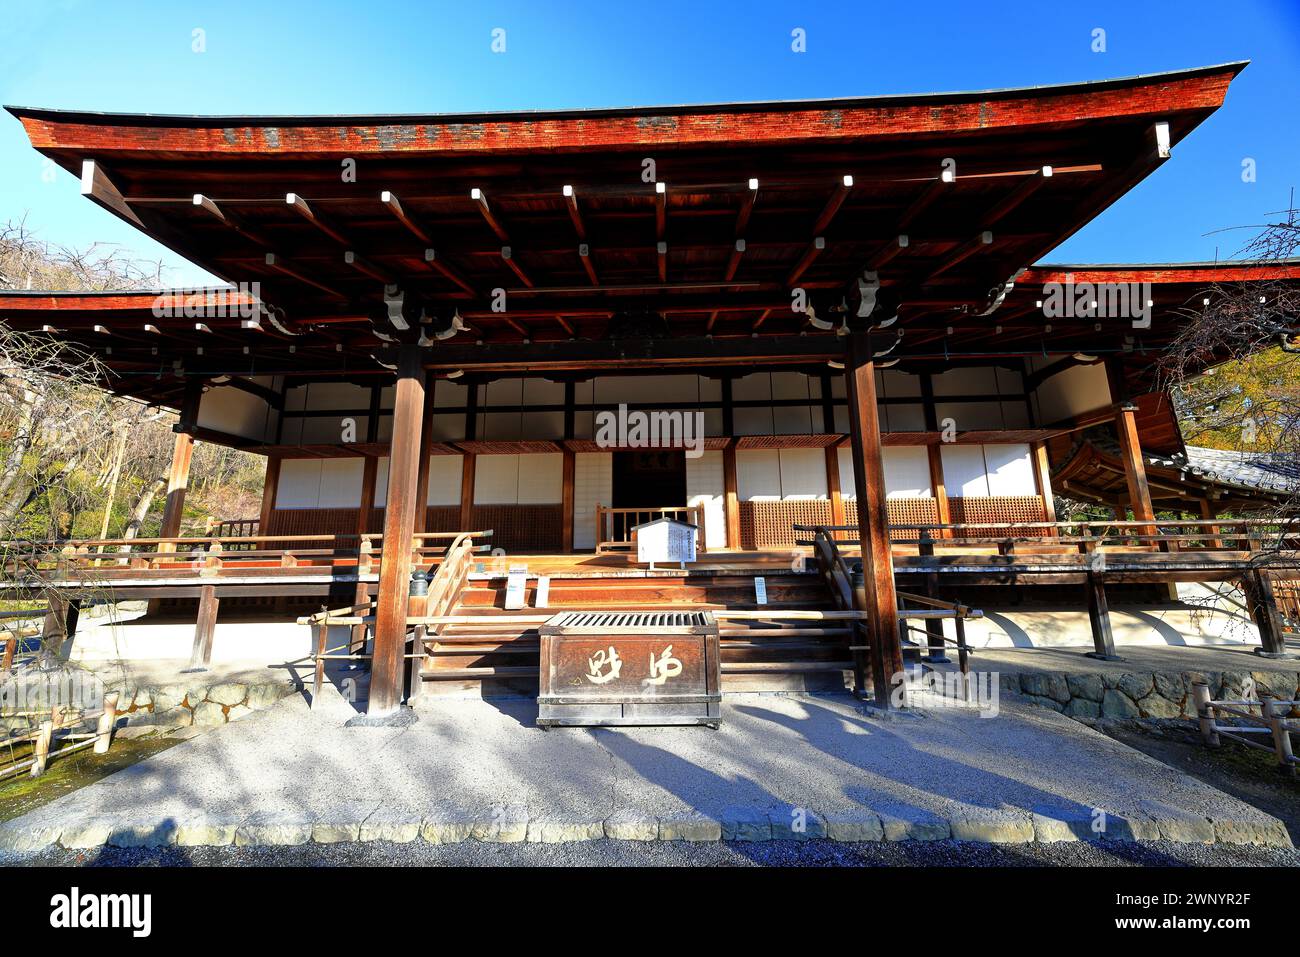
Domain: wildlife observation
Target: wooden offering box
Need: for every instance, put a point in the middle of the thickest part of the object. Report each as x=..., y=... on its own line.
x=627, y=668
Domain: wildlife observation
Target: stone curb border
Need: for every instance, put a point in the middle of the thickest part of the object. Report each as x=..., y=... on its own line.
x=513, y=824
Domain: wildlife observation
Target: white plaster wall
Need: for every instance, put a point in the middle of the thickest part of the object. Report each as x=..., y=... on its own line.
x=237, y=412
x=1072, y=391
x=445, y=473
x=771, y=475
x=907, y=473
x=964, y=472
x=593, y=484
x=1010, y=470
x=340, y=483
x=705, y=486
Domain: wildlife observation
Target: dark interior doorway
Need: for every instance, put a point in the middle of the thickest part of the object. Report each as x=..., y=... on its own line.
x=650, y=478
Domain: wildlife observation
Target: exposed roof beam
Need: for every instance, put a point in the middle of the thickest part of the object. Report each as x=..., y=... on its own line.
x=746, y=208
x=584, y=254
x=1017, y=196
x=283, y=266
x=96, y=184
x=432, y=260
x=812, y=252
x=508, y=257
x=209, y=206
x=888, y=252
x=394, y=206
x=832, y=206
x=734, y=262
x=481, y=201
x=363, y=265
x=303, y=209
x=933, y=191
x=571, y=201
x=579, y=227
x=962, y=252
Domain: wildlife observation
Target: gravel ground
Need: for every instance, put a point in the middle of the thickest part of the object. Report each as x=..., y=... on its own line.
x=679, y=854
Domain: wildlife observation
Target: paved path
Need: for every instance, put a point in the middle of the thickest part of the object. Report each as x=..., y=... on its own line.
x=780, y=767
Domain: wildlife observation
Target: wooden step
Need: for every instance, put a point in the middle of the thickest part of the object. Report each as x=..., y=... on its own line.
x=781, y=667
x=496, y=671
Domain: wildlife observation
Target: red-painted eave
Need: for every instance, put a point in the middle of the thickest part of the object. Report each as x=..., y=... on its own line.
x=1197, y=92
x=112, y=302
x=1198, y=273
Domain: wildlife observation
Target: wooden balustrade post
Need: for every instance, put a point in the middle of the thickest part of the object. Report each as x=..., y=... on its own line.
x=934, y=637
x=322, y=643
x=1204, y=713
x=418, y=608
x=41, y=748
x=11, y=649
x=107, y=718
x=1275, y=714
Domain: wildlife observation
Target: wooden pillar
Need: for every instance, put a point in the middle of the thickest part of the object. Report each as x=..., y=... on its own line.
x=730, y=496
x=426, y=444
x=566, y=500
x=1103, y=640
x=386, y=672
x=205, y=627
x=467, y=493
x=833, y=484
x=1043, y=479
x=879, y=597
x=1263, y=608
x=60, y=623
x=1135, y=473
x=178, y=479
x=1209, y=512
x=269, y=485
x=939, y=487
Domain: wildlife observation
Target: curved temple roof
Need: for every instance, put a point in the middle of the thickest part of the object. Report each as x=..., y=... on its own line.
x=942, y=198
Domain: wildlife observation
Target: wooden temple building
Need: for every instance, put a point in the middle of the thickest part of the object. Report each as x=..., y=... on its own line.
x=833, y=307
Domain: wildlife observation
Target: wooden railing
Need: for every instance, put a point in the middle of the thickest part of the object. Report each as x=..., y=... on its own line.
x=848, y=594
x=60, y=721
x=614, y=526
x=1181, y=535
x=210, y=554
x=1273, y=721
x=233, y=527
x=457, y=560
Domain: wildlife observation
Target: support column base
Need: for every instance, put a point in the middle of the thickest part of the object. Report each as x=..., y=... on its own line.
x=937, y=660
x=1274, y=654
x=401, y=718
x=1101, y=657
x=193, y=670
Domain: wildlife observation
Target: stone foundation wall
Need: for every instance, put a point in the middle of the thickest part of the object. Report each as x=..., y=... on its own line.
x=1163, y=694
x=178, y=704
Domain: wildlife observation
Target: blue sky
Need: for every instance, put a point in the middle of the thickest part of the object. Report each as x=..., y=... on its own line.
x=403, y=56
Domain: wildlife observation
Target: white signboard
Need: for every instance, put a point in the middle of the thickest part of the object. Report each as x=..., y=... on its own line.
x=543, y=591
x=665, y=540
x=516, y=583
x=760, y=590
